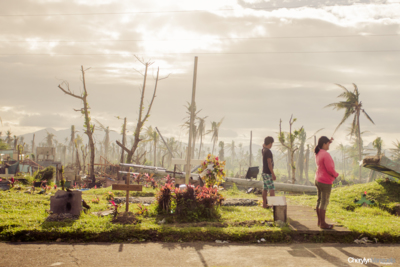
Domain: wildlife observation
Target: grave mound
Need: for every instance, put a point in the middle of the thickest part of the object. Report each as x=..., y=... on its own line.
x=62, y=217
x=126, y=218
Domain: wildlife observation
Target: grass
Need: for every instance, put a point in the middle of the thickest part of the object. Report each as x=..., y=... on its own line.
x=22, y=217
x=376, y=221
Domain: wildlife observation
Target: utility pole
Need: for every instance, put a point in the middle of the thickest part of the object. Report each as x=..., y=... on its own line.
x=192, y=105
x=251, y=141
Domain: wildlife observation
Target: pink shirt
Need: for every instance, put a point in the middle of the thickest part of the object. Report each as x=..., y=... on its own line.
x=326, y=173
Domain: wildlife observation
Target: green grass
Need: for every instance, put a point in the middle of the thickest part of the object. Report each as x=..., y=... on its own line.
x=22, y=217
x=376, y=221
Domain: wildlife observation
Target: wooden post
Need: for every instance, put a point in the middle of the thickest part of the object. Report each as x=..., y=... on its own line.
x=128, y=178
x=192, y=105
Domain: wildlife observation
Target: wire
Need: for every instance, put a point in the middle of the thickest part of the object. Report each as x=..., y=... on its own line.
x=168, y=11
x=200, y=39
x=217, y=53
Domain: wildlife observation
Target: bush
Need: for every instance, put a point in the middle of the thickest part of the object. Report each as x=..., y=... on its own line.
x=191, y=204
x=45, y=174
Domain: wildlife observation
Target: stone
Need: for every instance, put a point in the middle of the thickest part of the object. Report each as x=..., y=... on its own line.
x=218, y=241
x=58, y=240
x=280, y=224
x=263, y=240
x=103, y=213
x=66, y=202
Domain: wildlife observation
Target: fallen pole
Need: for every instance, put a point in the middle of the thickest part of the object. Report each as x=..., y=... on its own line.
x=278, y=186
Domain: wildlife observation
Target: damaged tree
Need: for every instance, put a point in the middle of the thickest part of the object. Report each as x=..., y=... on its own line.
x=289, y=144
x=85, y=111
x=141, y=119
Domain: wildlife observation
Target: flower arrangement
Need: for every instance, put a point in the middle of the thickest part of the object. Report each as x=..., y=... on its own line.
x=96, y=200
x=109, y=196
x=212, y=171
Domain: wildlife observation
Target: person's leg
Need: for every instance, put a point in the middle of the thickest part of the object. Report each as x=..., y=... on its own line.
x=326, y=193
x=271, y=193
x=318, y=202
x=265, y=191
x=264, y=195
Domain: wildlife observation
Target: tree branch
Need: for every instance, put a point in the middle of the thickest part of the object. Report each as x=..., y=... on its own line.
x=122, y=146
x=69, y=93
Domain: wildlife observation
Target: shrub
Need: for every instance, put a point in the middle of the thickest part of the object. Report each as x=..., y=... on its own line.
x=163, y=198
x=190, y=204
x=45, y=174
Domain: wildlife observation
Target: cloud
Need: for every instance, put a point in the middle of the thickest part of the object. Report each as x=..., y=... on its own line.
x=252, y=91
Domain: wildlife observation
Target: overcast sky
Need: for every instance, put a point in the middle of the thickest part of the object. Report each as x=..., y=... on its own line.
x=259, y=62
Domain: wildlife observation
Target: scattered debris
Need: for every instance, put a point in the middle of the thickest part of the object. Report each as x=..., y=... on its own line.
x=364, y=240
x=103, y=213
x=280, y=224
x=162, y=221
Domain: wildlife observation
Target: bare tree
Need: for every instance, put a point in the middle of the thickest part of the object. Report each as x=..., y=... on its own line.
x=290, y=143
x=85, y=111
x=142, y=119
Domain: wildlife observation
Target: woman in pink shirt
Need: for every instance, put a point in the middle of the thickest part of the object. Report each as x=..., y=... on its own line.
x=324, y=177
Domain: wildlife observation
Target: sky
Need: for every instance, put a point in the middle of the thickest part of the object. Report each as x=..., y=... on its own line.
x=258, y=62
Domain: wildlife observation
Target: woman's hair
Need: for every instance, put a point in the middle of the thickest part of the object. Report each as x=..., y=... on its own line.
x=268, y=140
x=321, y=141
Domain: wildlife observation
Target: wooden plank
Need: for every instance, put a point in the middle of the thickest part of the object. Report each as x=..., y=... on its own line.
x=132, y=187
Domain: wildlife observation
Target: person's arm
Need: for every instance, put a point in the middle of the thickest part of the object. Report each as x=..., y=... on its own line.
x=330, y=165
x=269, y=160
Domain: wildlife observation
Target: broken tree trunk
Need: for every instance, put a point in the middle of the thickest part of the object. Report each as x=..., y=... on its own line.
x=382, y=164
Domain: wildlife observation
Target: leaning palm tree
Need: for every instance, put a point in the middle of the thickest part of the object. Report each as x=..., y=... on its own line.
x=215, y=130
x=352, y=106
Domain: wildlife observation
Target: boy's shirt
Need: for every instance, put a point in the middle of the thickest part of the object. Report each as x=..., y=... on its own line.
x=266, y=152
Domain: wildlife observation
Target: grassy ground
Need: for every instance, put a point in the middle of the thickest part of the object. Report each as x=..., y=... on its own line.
x=375, y=221
x=22, y=217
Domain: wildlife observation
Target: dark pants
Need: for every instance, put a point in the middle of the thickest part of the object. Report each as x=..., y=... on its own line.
x=324, y=192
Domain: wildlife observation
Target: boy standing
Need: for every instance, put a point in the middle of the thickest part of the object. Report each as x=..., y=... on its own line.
x=268, y=174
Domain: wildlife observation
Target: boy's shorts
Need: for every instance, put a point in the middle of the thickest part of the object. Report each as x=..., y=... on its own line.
x=268, y=182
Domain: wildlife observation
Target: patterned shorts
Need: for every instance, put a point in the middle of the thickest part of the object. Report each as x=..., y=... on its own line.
x=268, y=182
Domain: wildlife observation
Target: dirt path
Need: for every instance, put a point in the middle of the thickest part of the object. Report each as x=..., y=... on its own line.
x=192, y=254
x=304, y=219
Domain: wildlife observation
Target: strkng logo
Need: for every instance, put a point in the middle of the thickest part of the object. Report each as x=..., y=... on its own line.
x=371, y=260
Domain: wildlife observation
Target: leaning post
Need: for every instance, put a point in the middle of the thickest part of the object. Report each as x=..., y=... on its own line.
x=192, y=105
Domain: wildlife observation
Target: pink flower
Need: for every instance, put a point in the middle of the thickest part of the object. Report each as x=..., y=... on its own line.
x=216, y=158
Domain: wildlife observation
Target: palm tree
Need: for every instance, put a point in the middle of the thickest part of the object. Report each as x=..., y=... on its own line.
x=221, y=153
x=9, y=138
x=215, y=130
x=106, y=140
x=352, y=106
x=231, y=149
x=152, y=136
x=49, y=139
x=201, y=131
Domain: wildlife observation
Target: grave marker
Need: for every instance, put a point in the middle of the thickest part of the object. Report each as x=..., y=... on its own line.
x=127, y=187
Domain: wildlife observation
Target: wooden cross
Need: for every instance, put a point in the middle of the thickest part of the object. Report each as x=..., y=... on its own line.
x=127, y=187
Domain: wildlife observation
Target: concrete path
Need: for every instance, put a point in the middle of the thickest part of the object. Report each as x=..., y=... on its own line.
x=192, y=254
x=304, y=219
